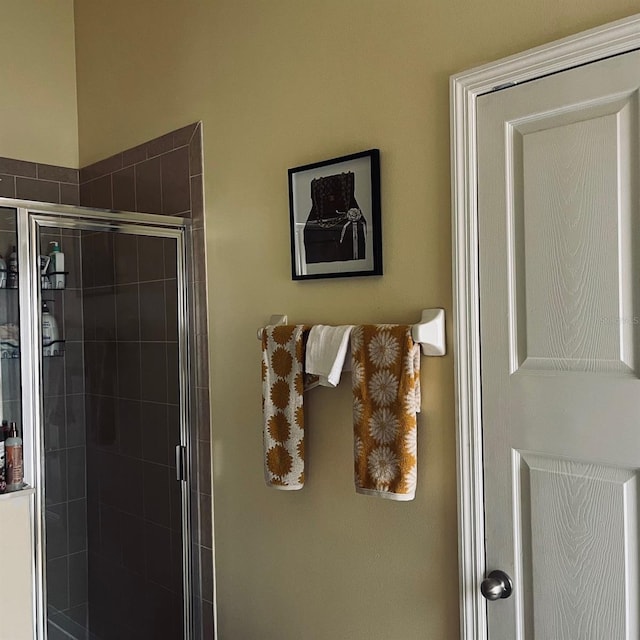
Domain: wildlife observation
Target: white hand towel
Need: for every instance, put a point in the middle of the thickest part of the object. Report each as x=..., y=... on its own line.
x=326, y=351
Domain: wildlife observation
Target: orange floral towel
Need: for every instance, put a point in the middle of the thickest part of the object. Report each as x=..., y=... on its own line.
x=282, y=408
x=386, y=397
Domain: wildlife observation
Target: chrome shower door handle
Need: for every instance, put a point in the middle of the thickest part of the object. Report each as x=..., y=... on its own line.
x=181, y=462
x=496, y=586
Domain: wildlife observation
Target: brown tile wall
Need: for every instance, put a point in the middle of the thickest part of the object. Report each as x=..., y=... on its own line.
x=133, y=425
x=165, y=176
x=41, y=182
x=159, y=176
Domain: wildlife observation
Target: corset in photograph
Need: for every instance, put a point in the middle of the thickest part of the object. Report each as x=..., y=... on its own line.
x=335, y=229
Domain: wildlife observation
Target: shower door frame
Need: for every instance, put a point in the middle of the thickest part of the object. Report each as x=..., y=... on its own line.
x=30, y=218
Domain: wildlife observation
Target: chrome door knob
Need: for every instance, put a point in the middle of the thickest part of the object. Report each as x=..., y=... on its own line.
x=496, y=585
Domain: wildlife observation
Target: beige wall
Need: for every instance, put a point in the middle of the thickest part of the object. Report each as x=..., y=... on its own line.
x=279, y=83
x=38, y=122
x=38, y=113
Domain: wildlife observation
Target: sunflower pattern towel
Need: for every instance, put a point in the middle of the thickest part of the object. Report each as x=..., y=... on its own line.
x=282, y=405
x=386, y=397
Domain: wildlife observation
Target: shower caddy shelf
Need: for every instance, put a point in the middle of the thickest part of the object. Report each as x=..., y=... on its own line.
x=52, y=273
x=13, y=353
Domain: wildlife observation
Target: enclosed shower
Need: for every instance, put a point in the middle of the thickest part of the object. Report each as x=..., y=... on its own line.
x=104, y=412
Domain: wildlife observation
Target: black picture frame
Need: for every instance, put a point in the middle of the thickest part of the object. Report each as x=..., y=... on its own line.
x=335, y=218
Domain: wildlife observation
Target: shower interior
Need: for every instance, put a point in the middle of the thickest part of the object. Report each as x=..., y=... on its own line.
x=114, y=518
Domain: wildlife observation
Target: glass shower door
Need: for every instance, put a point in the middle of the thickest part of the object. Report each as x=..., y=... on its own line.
x=112, y=414
x=10, y=388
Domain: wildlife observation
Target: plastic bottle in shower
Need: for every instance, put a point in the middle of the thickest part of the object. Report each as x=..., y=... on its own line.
x=13, y=452
x=12, y=270
x=50, y=333
x=56, y=266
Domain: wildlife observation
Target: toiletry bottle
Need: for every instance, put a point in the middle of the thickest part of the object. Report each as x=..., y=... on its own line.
x=12, y=273
x=13, y=452
x=3, y=273
x=3, y=477
x=49, y=332
x=43, y=264
x=56, y=266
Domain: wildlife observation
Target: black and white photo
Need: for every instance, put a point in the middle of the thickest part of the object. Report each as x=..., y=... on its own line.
x=335, y=217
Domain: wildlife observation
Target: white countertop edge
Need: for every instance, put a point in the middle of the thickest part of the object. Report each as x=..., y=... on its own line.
x=27, y=491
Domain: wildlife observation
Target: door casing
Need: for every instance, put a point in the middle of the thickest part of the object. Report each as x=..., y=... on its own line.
x=609, y=40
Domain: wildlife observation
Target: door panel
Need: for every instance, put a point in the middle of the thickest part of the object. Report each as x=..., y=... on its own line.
x=568, y=251
x=578, y=524
x=558, y=227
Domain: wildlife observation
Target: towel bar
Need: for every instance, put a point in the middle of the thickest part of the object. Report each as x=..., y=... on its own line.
x=429, y=332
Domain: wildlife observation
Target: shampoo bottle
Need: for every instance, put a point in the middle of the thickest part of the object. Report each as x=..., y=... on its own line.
x=49, y=332
x=13, y=452
x=56, y=266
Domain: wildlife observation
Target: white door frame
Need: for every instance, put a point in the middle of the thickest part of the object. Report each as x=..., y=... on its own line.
x=589, y=46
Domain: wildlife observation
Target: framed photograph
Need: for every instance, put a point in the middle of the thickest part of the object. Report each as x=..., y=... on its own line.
x=335, y=217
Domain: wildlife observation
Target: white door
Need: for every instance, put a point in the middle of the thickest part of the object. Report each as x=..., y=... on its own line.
x=559, y=251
